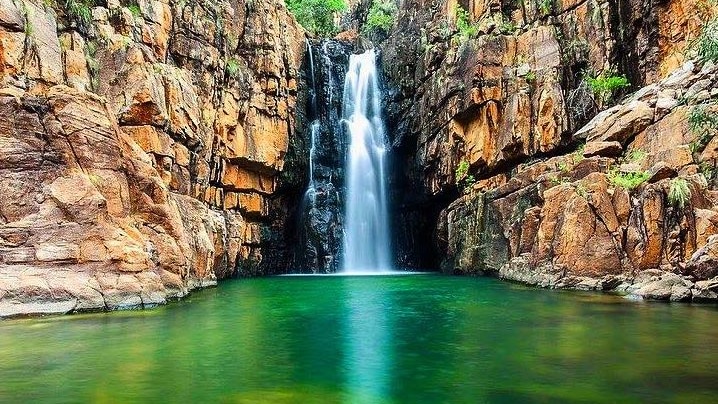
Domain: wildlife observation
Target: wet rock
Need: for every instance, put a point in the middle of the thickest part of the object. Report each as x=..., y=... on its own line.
x=706, y=291
x=659, y=285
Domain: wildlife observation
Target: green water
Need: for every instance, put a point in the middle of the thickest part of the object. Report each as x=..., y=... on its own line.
x=396, y=339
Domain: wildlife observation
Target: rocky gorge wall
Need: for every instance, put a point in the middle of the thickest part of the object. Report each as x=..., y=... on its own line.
x=141, y=146
x=510, y=102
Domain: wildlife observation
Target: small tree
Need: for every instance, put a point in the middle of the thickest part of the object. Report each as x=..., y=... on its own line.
x=381, y=17
x=317, y=16
x=703, y=123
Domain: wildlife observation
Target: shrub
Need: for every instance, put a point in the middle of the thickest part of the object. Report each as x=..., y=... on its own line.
x=80, y=12
x=580, y=103
x=575, y=50
x=93, y=65
x=706, y=45
x=463, y=24
x=317, y=16
x=563, y=167
x=577, y=156
x=628, y=181
x=464, y=180
x=381, y=17
x=605, y=86
x=135, y=10
x=636, y=155
x=545, y=6
x=679, y=193
x=708, y=170
x=581, y=190
x=29, y=28
x=507, y=28
x=703, y=123
x=232, y=67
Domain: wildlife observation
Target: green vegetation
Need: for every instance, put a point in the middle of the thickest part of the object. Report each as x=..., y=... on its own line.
x=464, y=180
x=630, y=180
x=545, y=6
x=29, y=28
x=381, y=17
x=635, y=156
x=317, y=16
x=507, y=28
x=703, y=123
x=93, y=65
x=596, y=15
x=80, y=12
x=627, y=181
x=556, y=180
x=563, y=167
x=232, y=67
x=466, y=29
x=577, y=156
x=530, y=76
x=135, y=10
x=706, y=45
x=708, y=170
x=679, y=193
x=581, y=190
x=605, y=86
x=575, y=50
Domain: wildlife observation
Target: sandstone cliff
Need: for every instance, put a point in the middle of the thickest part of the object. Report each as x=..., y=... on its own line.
x=140, y=145
x=510, y=102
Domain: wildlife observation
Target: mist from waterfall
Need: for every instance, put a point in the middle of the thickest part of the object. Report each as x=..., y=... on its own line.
x=367, y=245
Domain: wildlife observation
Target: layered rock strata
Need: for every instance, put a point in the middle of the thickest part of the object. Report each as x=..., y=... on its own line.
x=140, y=147
x=510, y=101
x=573, y=220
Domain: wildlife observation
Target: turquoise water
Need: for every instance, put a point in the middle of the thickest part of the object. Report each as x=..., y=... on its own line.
x=384, y=339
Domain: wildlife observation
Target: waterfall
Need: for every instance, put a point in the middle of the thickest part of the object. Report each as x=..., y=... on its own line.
x=366, y=227
x=319, y=214
x=310, y=193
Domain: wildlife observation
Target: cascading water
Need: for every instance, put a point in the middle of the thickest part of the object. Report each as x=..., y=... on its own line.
x=310, y=194
x=320, y=225
x=367, y=246
x=347, y=162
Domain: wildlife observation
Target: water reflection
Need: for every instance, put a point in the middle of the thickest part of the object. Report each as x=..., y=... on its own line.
x=367, y=336
x=401, y=339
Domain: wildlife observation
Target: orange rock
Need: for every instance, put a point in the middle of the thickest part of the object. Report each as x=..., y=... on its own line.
x=240, y=179
x=151, y=140
x=252, y=204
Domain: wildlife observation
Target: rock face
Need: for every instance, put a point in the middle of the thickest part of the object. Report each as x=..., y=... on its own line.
x=140, y=148
x=570, y=220
x=319, y=236
x=552, y=161
x=152, y=149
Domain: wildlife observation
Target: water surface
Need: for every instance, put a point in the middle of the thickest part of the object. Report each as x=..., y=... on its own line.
x=384, y=339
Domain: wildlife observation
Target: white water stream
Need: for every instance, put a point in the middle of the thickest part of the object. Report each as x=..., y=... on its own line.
x=367, y=245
